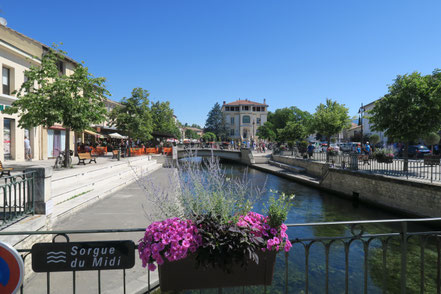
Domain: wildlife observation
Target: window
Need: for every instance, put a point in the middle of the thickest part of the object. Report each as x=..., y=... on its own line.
x=258, y=121
x=232, y=132
x=258, y=108
x=245, y=108
x=237, y=108
x=246, y=119
x=227, y=108
x=60, y=66
x=263, y=108
x=232, y=121
x=6, y=81
x=254, y=108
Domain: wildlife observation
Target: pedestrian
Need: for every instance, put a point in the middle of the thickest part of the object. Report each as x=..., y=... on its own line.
x=27, y=145
x=367, y=151
x=310, y=150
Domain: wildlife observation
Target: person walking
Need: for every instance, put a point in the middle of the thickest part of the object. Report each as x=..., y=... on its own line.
x=310, y=150
x=27, y=145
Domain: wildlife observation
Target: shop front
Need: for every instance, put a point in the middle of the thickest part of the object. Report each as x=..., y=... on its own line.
x=56, y=141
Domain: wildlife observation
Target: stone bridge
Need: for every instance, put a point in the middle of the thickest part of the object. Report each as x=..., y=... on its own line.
x=243, y=156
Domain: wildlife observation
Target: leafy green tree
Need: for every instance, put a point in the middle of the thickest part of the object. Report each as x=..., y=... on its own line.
x=215, y=122
x=163, y=119
x=47, y=97
x=133, y=117
x=190, y=134
x=410, y=110
x=432, y=139
x=266, y=131
x=196, y=126
x=209, y=137
x=293, y=131
x=330, y=118
x=374, y=139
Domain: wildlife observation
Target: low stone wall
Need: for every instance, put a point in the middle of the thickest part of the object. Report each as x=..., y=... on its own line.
x=312, y=168
x=401, y=195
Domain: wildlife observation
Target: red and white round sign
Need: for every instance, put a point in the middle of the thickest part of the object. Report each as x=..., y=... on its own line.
x=11, y=269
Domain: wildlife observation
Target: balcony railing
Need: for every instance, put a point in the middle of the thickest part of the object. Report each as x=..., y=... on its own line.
x=378, y=256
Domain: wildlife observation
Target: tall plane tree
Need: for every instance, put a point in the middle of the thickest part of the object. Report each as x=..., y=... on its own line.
x=329, y=119
x=48, y=97
x=410, y=110
x=133, y=117
x=163, y=119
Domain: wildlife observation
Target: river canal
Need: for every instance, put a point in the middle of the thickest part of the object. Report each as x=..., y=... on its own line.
x=312, y=205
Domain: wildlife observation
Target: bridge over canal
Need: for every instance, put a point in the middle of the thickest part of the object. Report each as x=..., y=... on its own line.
x=244, y=156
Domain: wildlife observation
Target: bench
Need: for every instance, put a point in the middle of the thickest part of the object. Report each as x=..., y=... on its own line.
x=84, y=156
x=5, y=170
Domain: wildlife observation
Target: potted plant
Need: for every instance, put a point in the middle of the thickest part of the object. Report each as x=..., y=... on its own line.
x=215, y=239
x=383, y=155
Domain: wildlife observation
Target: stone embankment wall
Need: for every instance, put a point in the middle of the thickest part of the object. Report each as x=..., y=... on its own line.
x=401, y=195
x=312, y=168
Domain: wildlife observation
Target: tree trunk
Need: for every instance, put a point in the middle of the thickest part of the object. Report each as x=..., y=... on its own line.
x=406, y=157
x=66, y=148
x=328, y=148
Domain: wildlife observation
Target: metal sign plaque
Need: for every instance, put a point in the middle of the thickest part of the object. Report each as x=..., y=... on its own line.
x=83, y=256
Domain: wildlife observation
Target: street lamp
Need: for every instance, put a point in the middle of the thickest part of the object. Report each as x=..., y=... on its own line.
x=253, y=130
x=361, y=113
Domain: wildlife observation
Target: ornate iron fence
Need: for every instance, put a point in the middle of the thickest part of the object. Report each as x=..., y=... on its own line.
x=416, y=168
x=378, y=256
x=16, y=197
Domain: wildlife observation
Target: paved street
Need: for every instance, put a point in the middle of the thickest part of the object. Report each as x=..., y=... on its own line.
x=127, y=208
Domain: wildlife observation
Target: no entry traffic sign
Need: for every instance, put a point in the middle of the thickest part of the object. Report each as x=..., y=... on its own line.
x=11, y=269
x=83, y=256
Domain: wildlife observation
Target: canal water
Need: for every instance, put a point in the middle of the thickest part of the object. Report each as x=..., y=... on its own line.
x=312, y=205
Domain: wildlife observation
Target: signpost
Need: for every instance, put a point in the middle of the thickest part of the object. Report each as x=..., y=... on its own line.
x=11, y=269
x=83, y=256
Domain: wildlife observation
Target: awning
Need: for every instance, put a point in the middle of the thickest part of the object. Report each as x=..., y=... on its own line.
x=117, y=136
x=91, y=133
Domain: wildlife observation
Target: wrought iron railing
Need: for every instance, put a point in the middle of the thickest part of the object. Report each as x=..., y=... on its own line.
x=16, y=197
x=416, y=168
x=378, y=256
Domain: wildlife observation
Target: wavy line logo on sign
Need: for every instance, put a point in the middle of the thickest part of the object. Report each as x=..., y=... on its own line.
x=11, y=269
x=56, y=257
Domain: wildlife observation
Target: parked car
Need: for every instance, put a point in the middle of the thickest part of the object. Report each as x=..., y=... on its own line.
x=335, y=147
x=415, y=151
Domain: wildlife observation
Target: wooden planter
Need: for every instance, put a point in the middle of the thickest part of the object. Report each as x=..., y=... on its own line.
x=385, y=160
x=183, y=274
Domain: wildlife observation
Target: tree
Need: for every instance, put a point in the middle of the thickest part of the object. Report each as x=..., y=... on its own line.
x=432, y=139
x=330, y=119
x=133, y=117
x=286, y=124
x=374, y=139
x=163, y=119
x=196, y=126
x=266, y=131
x=410, y=110
x=215, y=122
x=47, y=98
x=190, y=134
x=209, y=137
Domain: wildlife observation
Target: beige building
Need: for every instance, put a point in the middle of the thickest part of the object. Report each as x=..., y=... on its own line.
x=17, y=54
x=244, y=117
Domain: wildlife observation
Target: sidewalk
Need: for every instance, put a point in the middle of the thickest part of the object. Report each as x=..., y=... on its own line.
x=126, y=208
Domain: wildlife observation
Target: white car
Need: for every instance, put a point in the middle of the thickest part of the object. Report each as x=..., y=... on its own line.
x=335, y=147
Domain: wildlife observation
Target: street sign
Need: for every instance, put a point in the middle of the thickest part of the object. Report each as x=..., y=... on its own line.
x=83, y=256
x=11, y=269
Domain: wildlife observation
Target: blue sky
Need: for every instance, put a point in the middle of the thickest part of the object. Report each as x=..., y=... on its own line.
x=196, y=53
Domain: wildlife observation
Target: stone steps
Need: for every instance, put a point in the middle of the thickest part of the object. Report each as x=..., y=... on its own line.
x=291, y=168
x=70, y=193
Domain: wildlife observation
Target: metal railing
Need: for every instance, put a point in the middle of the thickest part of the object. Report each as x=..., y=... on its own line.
x=416, y=168
x=16, y=197
x=378, y=256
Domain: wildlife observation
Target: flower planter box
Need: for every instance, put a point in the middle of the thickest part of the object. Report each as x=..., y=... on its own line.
x=385, y=160
x=183, y=274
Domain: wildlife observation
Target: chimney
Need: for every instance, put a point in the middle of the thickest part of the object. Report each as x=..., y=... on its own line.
x=264, y=101
x=224, y=102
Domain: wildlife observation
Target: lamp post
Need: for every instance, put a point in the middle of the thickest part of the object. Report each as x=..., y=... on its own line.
x=361, y=113
x=254, y=134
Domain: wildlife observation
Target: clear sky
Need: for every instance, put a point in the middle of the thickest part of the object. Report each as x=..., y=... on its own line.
x=196, y=53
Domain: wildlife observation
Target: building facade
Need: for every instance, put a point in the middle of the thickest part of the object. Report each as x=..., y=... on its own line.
x=244, y=117
x=367, y=126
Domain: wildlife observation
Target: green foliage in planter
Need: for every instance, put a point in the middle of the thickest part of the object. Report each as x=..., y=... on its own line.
x=303, y=146
x=225, y=244
x=278, y=209
x=383, y=154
